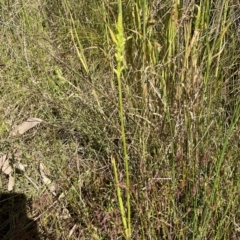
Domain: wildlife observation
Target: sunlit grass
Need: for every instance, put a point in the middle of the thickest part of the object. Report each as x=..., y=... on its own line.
x=141, y=107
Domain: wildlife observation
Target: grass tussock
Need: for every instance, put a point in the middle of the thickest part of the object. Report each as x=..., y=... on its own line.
x=140, y=102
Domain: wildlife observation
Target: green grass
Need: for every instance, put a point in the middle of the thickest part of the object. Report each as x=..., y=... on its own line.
x=141, y=107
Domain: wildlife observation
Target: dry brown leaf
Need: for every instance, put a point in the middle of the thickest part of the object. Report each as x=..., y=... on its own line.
x=7, y=169
x=72, y=230
x=11, y=182
x=65, y=214
x=20, y=166
x=45, y=179
x=25, y=126
x=51, y=186
x=17, y=157
x=5, y=166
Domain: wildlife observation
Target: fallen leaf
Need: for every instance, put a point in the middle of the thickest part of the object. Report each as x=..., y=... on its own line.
x=17, y=156
x=11, y=182
x=20, y=166
x=51, y=186
x=6, y=168
x=65, y=214
x=72, y=230
x=25, y=126
x=5, y=165
x=45, y=179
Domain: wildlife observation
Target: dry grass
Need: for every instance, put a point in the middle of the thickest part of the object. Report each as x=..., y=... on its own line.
x=179, y=75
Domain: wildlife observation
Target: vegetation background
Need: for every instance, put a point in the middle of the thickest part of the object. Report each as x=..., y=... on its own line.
x=140, y=102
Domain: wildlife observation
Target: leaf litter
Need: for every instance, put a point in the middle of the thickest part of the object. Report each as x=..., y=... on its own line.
x=5, y=159
x=25, y=126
